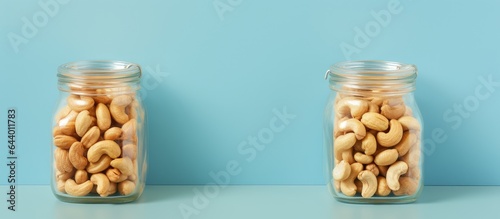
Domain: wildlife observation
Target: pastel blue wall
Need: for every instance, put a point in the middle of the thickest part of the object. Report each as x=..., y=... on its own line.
x=215, y=78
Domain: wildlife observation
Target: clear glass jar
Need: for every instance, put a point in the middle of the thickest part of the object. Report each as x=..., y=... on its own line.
x=373, y=131
x=99, y=150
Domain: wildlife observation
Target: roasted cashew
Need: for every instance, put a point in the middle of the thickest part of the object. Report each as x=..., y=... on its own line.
x=341, y=171
x=373, y=108
x=394, y=172
x=129, y=150
x=383, y=189
x=347, y=186
x=392, y=137
x=80, y=103
x=81, y=176
x=129, y=130
x=91, y=137
x=363, y=158
x=373, y=168
x=393, y=108
x=101, y=97
x=113, y=133
x=83, y=122
x=74, y=189
x=353, y=125
x=347, y=156
x=117, y=108
x=126, y=187
x=408, y=186
x=111, y=148
x=102, y=183
x=100, y=165
x=64, y=141
x=62, y=160
x=103, y=117
x=408, y=140
x=114, y=175
x=343, y=143
x=375, y=121
x=369, y=181
x=76, y=157
x=369, y=144
x=125, y=165
x=409, y=123
x=64, y=175
x=386, y=157
x=352, y=107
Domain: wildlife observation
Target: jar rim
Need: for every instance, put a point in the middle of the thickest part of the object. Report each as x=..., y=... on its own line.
x=96, y=74
x=385, y=77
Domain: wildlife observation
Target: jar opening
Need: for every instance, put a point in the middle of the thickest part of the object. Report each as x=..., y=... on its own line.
x=77, y=77
x=375, y=77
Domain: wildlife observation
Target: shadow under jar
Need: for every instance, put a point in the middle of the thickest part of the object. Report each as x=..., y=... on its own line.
x=99, y=151
x=373, y=131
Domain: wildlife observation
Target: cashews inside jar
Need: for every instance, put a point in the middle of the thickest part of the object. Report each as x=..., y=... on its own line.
x=373, y=124
x=92, y=156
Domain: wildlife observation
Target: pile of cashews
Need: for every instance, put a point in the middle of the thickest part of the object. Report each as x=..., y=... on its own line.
x=376, y=147
x=95, y=143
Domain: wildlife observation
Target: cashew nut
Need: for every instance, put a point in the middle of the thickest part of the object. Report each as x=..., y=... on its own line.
x=103, y=117
x=62, y=160
x=386, y=157
x=129, y=130
x=67, y=128
x=76, y=157
x=369, y=181
x=406, y=142
x=343, y=143
x=394, y=172
x=408, y=186
x=347, y=186
x=81, y=176
x=353, y=125
x=64, y=175
x=393, y=108
x=373, y=168
x=80, y=103
x=383, y=189
x=126, y=187
x=83, y=122
x=114, y=175
x=369, y=144
x=113, y=133
x=363, y=158
x=375, y=121
x=372, y=107
x=125, y=165
x=117, y=108
x=63, y=112
x=347, y=156
x=412, y=158
x=409, y=123
x=341, y=171
x=102, y=98
x=64, y=141
x=111, y=148
x=351, y=107
x=383, y=170
x=129, y=150
x=74, y=189
x=91, y=137
x=100, y=165
x=392, y=137
x=102, y=183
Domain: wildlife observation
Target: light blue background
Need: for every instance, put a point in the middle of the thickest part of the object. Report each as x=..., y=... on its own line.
x=222, y=79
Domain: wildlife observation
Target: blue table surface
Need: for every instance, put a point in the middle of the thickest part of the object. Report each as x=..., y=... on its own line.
x=257, y=202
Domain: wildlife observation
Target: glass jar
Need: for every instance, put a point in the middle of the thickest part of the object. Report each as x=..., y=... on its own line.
x=99, y=150
x=373, y=131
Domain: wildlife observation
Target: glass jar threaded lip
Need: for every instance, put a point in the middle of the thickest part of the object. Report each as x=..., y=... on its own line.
x=375, y=77
x=98, y=74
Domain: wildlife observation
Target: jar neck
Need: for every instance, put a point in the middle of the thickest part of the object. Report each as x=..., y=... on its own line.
x=91, y=77
x=372, y=78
